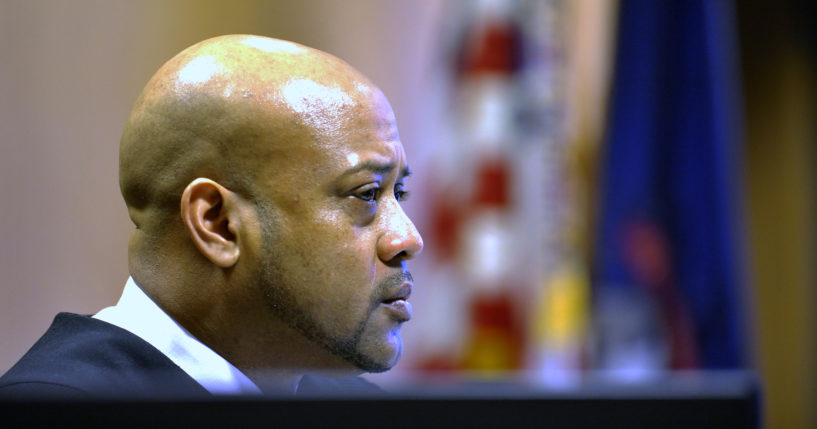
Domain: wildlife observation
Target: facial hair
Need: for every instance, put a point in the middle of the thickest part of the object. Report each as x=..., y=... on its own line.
x=282, y=299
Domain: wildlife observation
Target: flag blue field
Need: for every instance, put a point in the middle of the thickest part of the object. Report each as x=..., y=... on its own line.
x=670, y=225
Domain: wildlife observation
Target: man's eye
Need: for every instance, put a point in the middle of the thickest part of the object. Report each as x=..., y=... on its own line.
x=369, y=195
x=401, y=194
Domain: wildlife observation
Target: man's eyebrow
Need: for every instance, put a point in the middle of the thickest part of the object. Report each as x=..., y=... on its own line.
x=377, y=167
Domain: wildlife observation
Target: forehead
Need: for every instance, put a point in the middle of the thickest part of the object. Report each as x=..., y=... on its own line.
x=330, y=130
x=329, y=108
x=343, y=122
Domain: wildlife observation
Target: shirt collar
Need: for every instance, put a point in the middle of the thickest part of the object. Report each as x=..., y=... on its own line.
x=137, y=313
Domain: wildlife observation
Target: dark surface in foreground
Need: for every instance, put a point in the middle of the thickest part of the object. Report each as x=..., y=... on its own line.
x=707, y=403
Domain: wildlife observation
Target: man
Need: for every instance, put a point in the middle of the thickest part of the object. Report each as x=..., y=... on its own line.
x=264, y=179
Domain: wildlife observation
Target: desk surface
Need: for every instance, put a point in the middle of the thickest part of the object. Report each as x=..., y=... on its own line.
x=692, y=401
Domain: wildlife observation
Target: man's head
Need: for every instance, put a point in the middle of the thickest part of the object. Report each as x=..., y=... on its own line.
x=264, y=180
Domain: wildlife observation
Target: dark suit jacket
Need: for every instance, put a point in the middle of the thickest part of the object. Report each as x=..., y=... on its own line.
x=80, y=355
x=83, y=356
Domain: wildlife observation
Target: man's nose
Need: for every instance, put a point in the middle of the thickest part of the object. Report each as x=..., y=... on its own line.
x=400, y=239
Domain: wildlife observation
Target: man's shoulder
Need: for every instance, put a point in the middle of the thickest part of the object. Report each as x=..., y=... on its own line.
x=82, y=355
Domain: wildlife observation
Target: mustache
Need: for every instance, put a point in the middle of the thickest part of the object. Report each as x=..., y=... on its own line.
x=388, y=285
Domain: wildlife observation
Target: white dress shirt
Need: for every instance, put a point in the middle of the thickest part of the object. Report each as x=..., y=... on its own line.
x=137, y=313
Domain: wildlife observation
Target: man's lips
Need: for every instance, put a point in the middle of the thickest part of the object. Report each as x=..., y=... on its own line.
x=401, y=293
x=397, y=302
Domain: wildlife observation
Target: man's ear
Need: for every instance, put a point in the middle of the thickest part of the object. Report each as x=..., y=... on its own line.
x=210, y=214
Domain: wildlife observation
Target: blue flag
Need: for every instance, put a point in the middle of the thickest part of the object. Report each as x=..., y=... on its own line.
x=670, y=224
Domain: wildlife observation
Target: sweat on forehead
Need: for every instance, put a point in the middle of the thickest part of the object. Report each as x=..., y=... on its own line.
x=225, y=104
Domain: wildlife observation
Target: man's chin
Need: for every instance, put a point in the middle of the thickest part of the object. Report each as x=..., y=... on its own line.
x=377, y=369
x=380, y=358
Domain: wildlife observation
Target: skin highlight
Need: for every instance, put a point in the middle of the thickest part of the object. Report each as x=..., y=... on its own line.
x=264, y=180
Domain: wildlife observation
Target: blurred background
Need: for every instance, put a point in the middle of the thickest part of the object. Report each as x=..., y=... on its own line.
x=611, y=189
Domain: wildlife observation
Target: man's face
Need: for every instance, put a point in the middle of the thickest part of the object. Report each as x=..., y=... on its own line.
x=335, y=238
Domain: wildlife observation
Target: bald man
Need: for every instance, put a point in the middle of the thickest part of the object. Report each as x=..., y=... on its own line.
x=264, y=180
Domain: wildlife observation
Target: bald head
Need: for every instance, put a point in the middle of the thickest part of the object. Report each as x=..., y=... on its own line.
x=223, y=108
x=265, y=179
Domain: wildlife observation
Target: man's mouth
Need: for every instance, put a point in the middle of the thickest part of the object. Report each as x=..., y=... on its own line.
x=402, y=293
x=397, y=303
